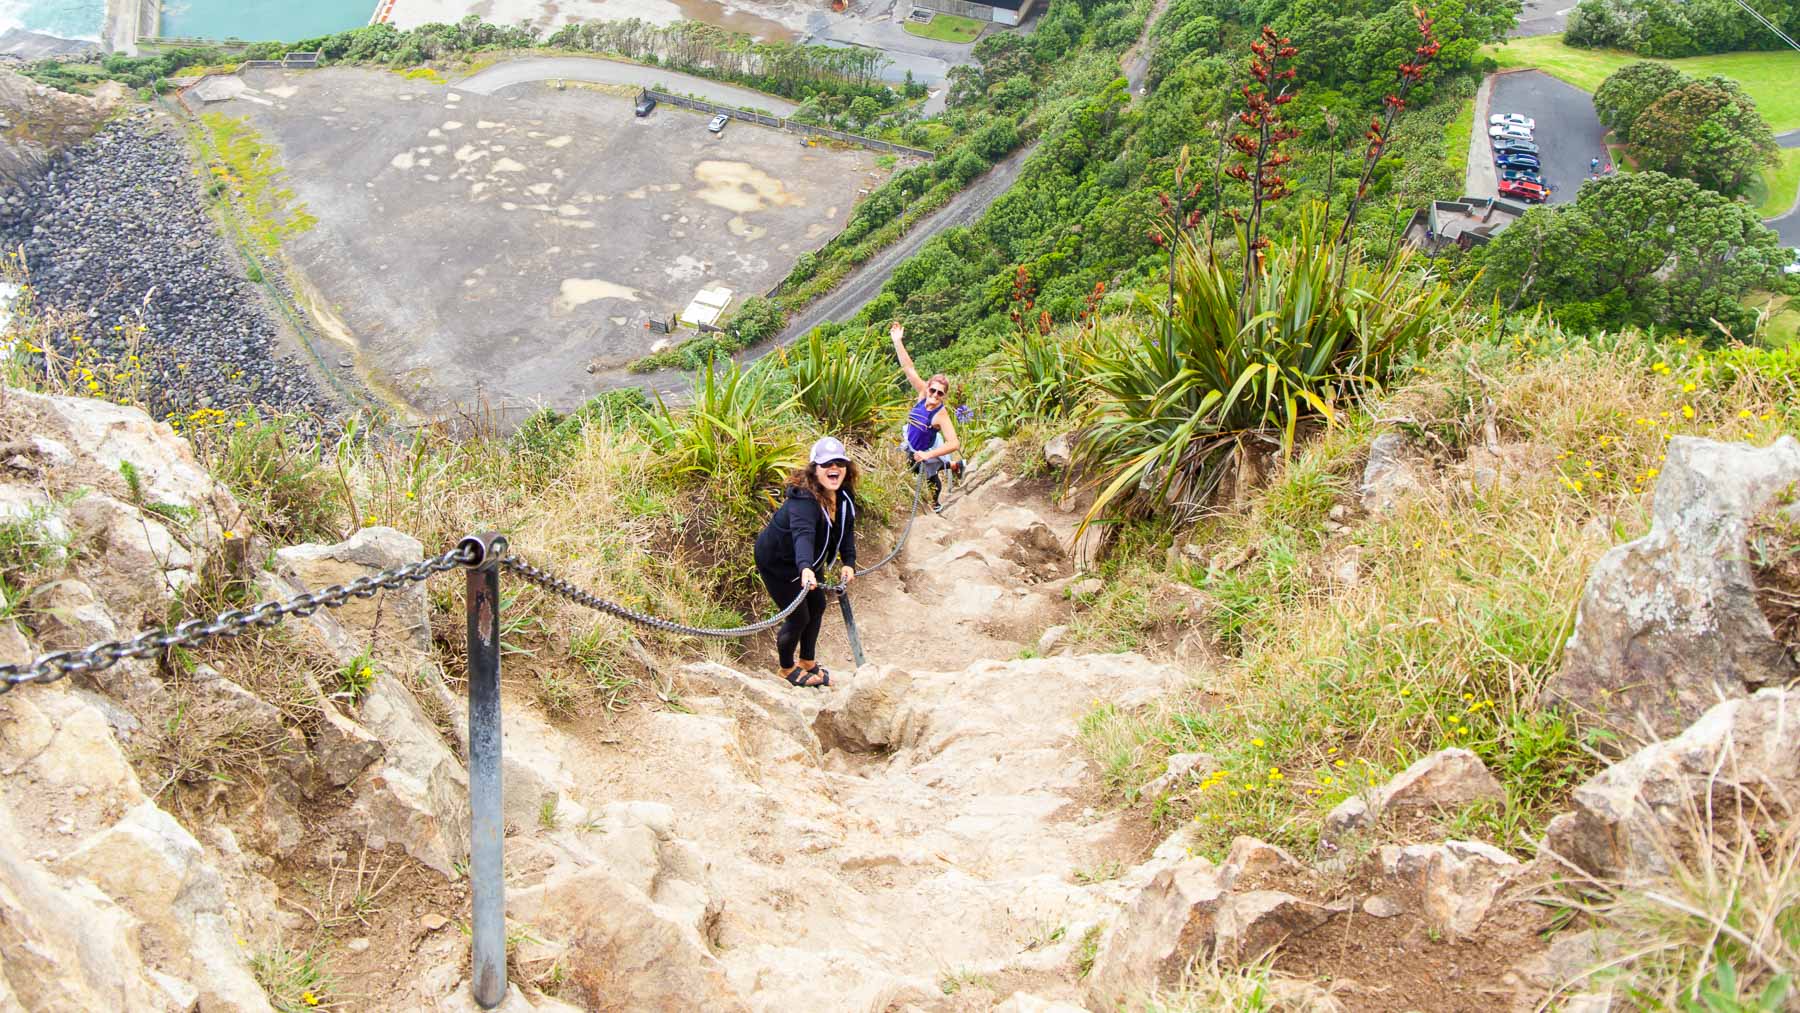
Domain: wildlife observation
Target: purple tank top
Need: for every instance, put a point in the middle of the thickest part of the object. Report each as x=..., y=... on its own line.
x=919, y=433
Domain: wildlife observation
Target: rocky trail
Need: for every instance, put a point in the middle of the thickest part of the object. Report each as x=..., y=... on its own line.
x=925, y=836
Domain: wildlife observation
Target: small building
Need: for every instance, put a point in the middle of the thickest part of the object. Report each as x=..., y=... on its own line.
x=1464, y=223
x=707, y=307
x=1000, y=12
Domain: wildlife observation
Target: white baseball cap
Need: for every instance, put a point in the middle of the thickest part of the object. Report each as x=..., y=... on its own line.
x=829, y=448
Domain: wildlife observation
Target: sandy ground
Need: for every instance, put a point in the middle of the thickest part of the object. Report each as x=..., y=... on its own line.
x=507, y=250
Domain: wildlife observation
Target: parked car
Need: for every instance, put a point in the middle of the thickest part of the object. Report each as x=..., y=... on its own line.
x=1520, y=133
x=1522, y=176
x=1793, y=268
x=718, y=123
x=1519, y=161
x=644, y=104
x=1513, y=144
x=1512, y=120
x=1533, y=192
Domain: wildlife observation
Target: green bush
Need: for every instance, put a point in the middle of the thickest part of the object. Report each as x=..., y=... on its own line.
x=277, y=475
x=1321, y=326
x=848, y=392
x=736, y=439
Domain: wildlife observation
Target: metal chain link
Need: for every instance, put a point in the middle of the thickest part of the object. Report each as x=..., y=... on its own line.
x=556, y=585
x=99, y=657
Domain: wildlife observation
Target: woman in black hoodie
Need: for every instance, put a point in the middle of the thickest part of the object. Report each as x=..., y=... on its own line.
x=815, y=524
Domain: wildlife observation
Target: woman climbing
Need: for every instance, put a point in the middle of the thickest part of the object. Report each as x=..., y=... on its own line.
x=815, y=524
x=930, y=430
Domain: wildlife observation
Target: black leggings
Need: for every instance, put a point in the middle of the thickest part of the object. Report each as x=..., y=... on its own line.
x=801, y=629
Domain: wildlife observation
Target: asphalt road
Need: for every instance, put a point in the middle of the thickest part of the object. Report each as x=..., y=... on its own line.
x=1542, y=17
x=1568, y=133
x=1788, y=225
x=601, y=71
x=865, y=283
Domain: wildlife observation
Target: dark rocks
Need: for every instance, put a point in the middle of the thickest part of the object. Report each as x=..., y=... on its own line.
x=116, y=232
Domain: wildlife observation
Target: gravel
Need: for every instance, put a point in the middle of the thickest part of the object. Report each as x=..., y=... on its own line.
x=116, y=231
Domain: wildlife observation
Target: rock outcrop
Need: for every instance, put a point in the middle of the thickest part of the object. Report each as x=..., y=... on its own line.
x=1669, y=624
x=1440, y=783
x=1639, y=816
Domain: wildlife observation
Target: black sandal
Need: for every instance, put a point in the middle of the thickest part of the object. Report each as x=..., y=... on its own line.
x=799, y=676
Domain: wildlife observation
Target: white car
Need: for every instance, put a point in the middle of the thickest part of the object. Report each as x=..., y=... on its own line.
x=718, y=123
x=1515, y=133
x=1512, y=120
x=1793, y=268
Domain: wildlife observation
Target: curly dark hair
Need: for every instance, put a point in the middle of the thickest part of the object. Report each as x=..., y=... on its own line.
x=807, y=477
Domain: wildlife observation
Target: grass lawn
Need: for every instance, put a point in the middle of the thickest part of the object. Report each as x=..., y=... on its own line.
x=1784, y=316
x=1768, y=77
x=1774, y=193
x=946, y=28
x=1456, y=139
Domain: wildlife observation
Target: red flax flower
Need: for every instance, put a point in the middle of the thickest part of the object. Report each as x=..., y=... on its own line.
x=1261, y=133
x=1381, y=128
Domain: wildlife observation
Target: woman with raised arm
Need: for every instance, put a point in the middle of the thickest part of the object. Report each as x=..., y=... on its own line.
x=815, y=524
x=930, y=427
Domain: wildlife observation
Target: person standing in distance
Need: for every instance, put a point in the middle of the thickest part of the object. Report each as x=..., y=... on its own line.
x=930, y=429
x=815, y=524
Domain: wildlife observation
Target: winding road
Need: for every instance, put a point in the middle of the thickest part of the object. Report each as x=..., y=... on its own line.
x=864, y=283
x=1788, y=225
x=597, y=70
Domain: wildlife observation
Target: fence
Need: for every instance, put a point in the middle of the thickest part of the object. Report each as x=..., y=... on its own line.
x=292, y=61
x=784, y=124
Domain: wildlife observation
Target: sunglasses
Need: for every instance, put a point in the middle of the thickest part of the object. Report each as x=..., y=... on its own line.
x=937, y=391
x=836, y=465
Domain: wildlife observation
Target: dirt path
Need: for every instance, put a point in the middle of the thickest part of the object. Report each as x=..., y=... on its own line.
x=918, y=836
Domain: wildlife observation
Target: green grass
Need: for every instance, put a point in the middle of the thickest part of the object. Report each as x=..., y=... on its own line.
x=239, y=163
x=1774, y=192
x=1784, y=316
x=1768, y=77
x=946, y=28
x=1456, y=139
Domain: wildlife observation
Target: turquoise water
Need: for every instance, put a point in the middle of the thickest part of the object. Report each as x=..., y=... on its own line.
x=66, y=19
x=261, y=20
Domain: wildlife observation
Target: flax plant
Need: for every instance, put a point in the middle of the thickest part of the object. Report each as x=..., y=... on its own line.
x=1172, y=410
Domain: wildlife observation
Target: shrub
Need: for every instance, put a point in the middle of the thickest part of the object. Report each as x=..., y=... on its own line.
x=274, y=473
x=1178, y=398
x=735, y=438
x=848, y=392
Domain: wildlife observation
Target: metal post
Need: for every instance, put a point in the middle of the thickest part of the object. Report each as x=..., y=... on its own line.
x=487, y=878
x=856, y=651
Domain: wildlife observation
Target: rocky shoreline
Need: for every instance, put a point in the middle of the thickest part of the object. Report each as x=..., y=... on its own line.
x=116, y=231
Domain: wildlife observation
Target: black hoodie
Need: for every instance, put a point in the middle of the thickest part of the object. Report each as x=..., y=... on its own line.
x=801, y=537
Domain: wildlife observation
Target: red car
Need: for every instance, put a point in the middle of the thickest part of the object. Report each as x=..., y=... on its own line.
x=1523, y=190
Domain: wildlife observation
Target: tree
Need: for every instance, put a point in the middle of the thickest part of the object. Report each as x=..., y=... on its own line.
x=1707, y=131
x=864, y=110
x=1631, y=89
x=1636, y=248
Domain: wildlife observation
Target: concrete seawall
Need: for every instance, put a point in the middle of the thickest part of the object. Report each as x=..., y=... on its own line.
x=127, y=21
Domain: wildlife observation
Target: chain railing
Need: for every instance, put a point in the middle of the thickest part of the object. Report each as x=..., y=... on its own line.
x=482, y=557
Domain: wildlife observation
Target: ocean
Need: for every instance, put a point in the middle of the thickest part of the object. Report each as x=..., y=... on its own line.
x=65, y=19
x=254, y=20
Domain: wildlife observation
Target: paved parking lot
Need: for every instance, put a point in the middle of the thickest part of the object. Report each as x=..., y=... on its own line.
x=508, y=249
x=1568, y=133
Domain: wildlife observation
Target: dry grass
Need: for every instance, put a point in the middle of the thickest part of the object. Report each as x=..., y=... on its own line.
x=1720, y=930
x=1462, y=598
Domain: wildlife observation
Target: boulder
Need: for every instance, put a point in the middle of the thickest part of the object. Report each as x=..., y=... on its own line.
x=1452, y=885
x=402, y=615
x=1193, y=910
x=129, y=541
x=417, y=796
x=1446, y=780
x=1669, y=623
x=1057, y=451
x=1627, y=822
x=114, y=435
x=1392, y=474
x=71, y=616
x=1050, y=640
x=156, y=870
x=343, y=748
x=870, y=716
